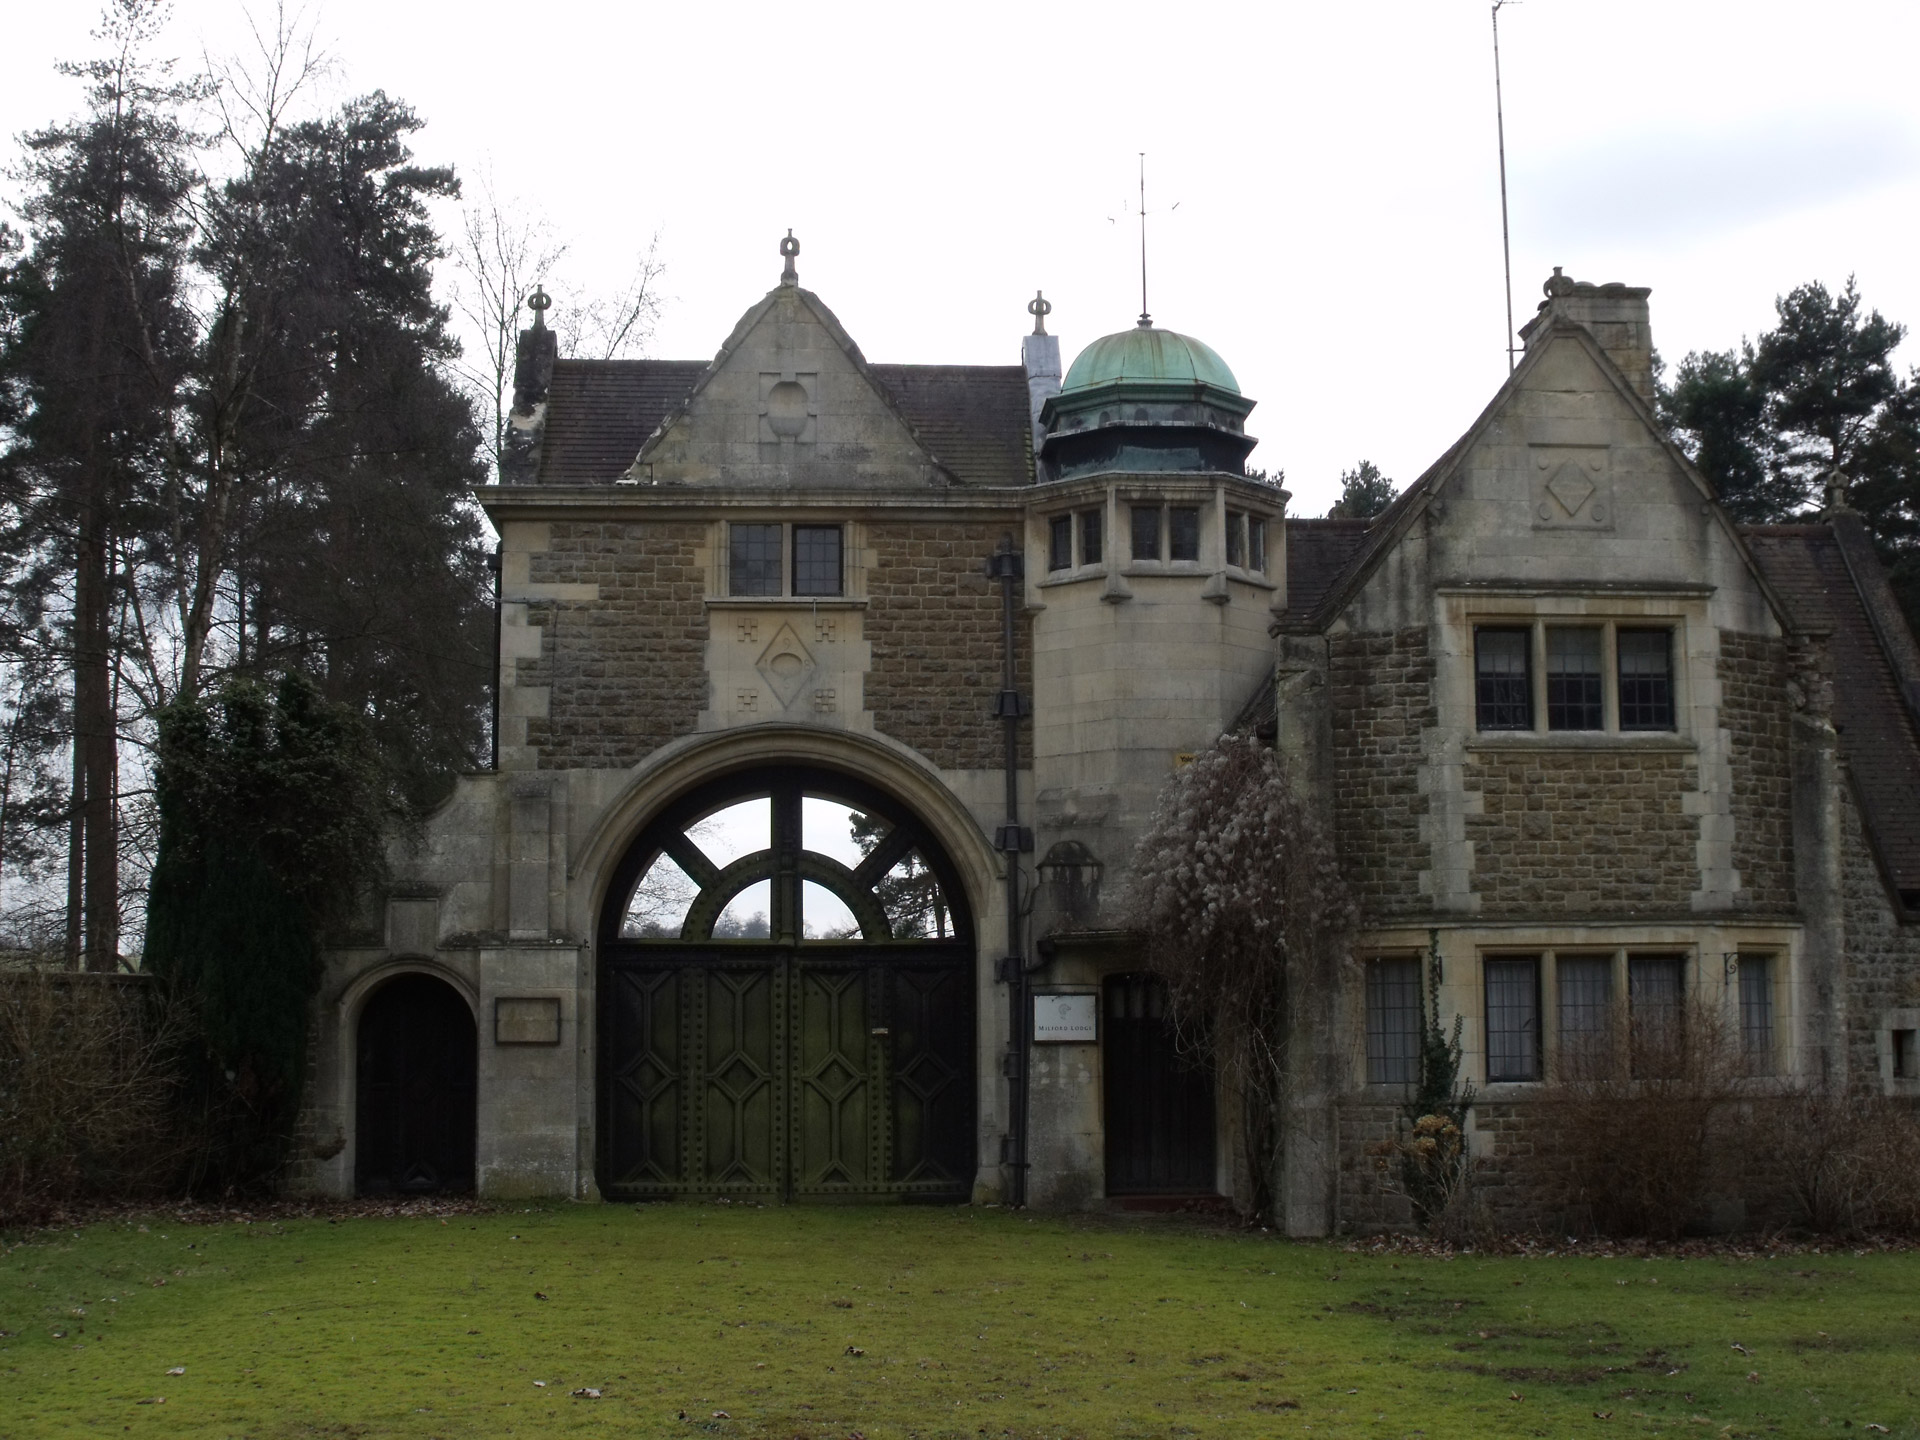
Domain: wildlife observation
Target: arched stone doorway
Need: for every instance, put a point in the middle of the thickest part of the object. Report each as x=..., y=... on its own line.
x=415, y=1064
x=786, y=999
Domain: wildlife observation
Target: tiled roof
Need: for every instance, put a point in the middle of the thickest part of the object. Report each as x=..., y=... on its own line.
x=1318, y=554
x=973, y=418
x=1808, y=568
x=600, y=412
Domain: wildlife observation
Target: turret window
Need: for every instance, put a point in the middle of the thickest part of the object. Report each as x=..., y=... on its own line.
x=1092, y=533
x=1060, y=543
x=1146, y=532
x=1183, y=532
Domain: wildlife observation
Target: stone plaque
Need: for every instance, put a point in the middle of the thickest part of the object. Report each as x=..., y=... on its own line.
x=526, y=1020
x=1066, y=1019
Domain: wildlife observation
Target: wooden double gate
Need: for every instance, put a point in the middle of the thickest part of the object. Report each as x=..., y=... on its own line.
x=816, y=1072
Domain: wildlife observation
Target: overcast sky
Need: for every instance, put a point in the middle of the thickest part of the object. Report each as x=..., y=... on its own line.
x=1338, y=232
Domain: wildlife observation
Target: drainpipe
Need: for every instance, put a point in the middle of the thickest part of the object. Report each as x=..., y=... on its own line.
x=494, y=562
x=1012, y=840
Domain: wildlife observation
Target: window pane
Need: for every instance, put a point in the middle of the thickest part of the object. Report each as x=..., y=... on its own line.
x=816, y=560
x=1093, y=529
x=1573, y=678
x=1146, y=532
x=1237, y=539
x=1756, y=1013
x=1646, y=679
x=1513, y=1018
x=1060, y=543
x=1655, y=996
x=1503, y=685
x=753, y=559
x=1393, y=1022
x=1183, y=532
x=1586, y=1013
x=1256, y=544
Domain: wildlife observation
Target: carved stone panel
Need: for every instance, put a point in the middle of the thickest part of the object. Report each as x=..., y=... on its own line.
x=1571, y=487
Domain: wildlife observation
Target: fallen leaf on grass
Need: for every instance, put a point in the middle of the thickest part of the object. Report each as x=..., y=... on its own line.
x=721, y=1415
x=538, y=1295
x=1741, y=1348
x=1603, y=1414
x=855, y=1350
x=586, y=1392
x=1881, y=1428
x=1753, y=1374
x=1513, y=1395
x=541, y=1383
x=156, y=1400
x=178, y=1370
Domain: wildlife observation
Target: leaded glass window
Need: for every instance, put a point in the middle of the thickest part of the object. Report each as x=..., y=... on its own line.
x=753, y=560
x=1574, y=700
x=1503, y=683
x=1393, y=1021
x=1646, y=679
x=1513, y=1017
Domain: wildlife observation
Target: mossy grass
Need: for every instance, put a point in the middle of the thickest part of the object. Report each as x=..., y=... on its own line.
x=700, y=1319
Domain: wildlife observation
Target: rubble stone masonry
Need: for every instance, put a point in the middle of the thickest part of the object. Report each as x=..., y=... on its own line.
x=1590, y=831
x=1757, y=718
x=933, y=624
x=1381, y=705
x=627, y=671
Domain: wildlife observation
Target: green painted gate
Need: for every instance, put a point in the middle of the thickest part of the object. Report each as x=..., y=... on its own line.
x=785, y=1067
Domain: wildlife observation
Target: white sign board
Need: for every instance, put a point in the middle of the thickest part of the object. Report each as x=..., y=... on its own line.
x=1066, y=1019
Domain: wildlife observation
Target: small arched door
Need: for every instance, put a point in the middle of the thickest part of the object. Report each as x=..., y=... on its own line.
x=786, y=1000
x=414, y=1123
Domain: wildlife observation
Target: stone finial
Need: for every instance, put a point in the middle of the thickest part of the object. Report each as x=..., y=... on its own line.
x=789, y=248
x=539, y=302
x=1039, y=307
x=1834, y=482
x=1557, y=285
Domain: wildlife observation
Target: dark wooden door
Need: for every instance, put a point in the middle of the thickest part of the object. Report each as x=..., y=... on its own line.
x=1159, y=1101
x=801, y=1063
x=791, y=1075
x=414, y=1122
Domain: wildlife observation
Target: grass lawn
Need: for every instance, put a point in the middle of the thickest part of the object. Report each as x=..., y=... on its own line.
x=903, y=1322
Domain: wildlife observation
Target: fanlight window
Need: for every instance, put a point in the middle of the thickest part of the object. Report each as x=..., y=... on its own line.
x=788, y=864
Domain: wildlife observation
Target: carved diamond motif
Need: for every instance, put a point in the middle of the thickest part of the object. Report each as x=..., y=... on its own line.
x=1570, y=488
x=786, y=665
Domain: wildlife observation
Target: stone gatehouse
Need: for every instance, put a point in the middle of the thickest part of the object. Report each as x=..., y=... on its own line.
x=833, y=696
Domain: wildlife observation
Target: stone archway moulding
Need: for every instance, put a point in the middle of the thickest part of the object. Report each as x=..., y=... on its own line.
x=687, y=764
x=353, y=996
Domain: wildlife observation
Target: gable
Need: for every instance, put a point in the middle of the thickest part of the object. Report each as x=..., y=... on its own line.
x=789, y=403
x=1566, y=481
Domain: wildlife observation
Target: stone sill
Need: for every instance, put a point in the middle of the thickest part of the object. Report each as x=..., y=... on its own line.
x=786, y=602
x=1589, y=742
x=1176, y=570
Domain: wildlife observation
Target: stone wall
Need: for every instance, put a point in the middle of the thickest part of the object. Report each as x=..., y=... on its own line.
x=1883, y=955
x=1600, y=831
x=627, y=671
x=1381, y=703
x=933, y=623
x=1757, y=718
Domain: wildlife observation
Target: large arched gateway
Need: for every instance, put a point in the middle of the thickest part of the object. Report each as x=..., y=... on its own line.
x=786, y=999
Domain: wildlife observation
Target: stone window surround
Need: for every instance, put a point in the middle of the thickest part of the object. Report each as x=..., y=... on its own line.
x=853, y=567
x=1890, y=1021
x=1464, y=609
x=1213, y=499
x=1710, y=976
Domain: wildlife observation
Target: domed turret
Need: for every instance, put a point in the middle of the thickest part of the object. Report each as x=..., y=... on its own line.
x=1148, y=401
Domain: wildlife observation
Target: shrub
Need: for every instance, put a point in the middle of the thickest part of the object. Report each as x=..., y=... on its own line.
x=88, y=1077
x=1849, y=1162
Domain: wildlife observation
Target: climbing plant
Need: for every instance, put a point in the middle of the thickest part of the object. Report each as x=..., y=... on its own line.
x=274, y=807
x=1239, y=899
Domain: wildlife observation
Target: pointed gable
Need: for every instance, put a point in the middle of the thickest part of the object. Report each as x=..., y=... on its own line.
x=789, y=403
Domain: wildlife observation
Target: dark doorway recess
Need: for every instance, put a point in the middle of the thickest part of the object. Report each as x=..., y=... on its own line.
x=786, y=1000
x=414, y=1123
x=1159, y=1101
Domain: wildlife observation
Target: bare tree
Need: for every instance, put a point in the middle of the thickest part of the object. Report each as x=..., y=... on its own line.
x=505, y=249
x=619, y=326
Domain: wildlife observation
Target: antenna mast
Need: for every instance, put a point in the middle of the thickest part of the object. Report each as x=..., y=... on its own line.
x=1500, y=126
x=1146, y=320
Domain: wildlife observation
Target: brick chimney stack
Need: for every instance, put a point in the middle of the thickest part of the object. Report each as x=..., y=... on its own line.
x=1616, y=316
